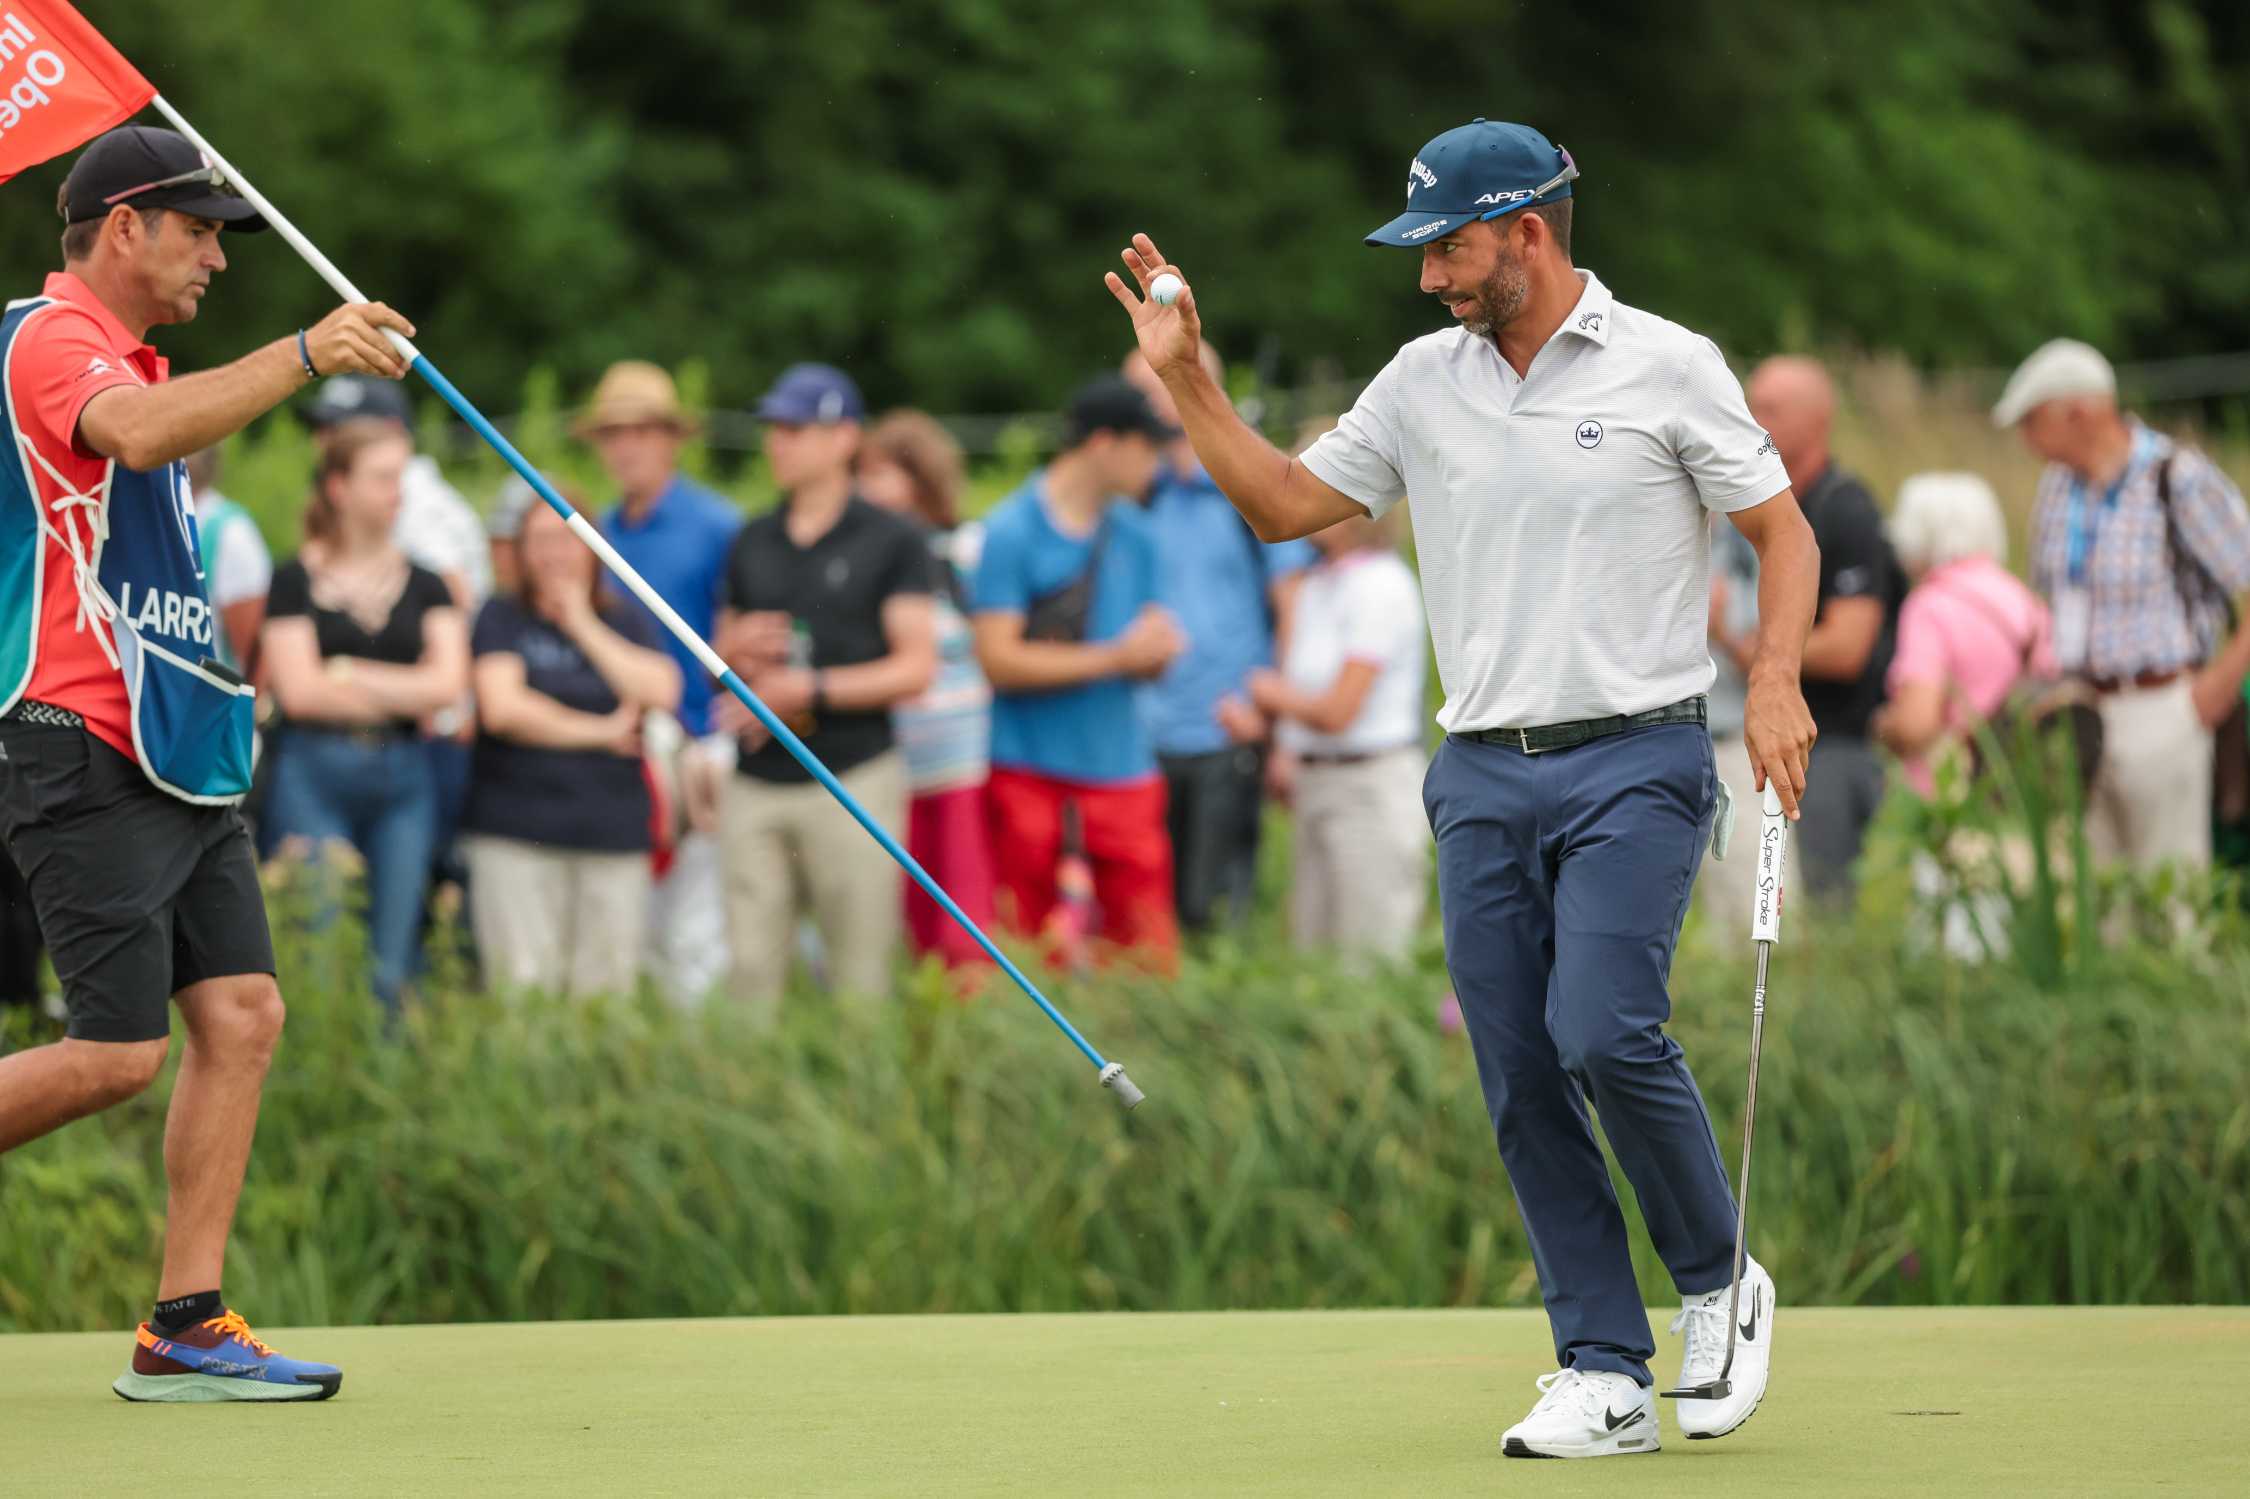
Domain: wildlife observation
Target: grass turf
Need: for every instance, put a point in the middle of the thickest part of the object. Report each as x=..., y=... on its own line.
x=1924, y=1402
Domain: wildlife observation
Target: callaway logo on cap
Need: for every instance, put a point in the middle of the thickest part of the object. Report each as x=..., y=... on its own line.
x=1479, y=171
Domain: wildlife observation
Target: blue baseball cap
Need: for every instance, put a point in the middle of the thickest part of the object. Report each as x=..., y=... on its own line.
x=1480, y=170
x=812, y=395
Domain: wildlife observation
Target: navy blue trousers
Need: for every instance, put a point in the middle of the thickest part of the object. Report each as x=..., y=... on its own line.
x=1564, y=877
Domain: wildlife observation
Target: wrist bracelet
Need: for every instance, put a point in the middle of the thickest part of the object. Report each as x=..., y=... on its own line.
x=304, y=357
x=819, y=692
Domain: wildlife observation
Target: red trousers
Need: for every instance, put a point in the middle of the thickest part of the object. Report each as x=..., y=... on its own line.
x=946, y=834
x=1125, y=842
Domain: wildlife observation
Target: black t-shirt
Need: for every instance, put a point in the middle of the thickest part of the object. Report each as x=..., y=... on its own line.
x=836, y=588
x=1856, y=561
x=567, y=799
x=398, y=639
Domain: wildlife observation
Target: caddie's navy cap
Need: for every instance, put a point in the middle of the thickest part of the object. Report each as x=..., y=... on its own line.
x=148, y=167
x=1480, y=170
x=812, y=395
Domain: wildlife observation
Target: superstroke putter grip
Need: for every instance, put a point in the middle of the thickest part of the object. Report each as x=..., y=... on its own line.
x=1773, y=852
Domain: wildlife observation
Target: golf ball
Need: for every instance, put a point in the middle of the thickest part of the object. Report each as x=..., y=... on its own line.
x=1166, y=288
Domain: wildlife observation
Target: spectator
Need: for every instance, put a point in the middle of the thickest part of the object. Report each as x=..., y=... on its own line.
x=237, y=567
x=440, y=532
x=558, y=818
x=362, y=646
x=676, y=535
x=2140, y=545
x=1849, y=648
x=1349, y=713
x=437, y=529
x=1727, y=888
x=828, y=619
x=1067, y=623
x=1232, y=593
x=503, y=524
x=1969, y=630
x=910, y=465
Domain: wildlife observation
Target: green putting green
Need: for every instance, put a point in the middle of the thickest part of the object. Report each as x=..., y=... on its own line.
x=1921, y=1402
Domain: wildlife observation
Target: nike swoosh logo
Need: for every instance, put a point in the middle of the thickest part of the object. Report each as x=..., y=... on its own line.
x=1750, y=1328
x=1616, y=1422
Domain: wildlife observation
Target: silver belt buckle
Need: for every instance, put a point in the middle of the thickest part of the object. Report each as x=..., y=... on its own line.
x=1523, y=737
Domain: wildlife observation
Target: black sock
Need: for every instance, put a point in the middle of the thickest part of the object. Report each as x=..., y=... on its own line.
x=183, y=1312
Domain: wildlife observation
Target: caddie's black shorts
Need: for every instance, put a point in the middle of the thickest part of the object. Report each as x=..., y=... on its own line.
x=139, y=894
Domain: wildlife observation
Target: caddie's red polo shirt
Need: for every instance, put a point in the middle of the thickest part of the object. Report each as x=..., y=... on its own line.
x=62, y=359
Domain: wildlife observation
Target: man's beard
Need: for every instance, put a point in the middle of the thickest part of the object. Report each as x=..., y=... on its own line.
x=1499, y=297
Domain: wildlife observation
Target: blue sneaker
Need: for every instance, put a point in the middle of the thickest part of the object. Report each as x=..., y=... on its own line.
x=221, y=1359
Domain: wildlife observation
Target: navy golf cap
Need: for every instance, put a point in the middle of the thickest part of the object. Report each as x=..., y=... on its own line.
x=1480, y=170
x=341, y=398
x=812, y=395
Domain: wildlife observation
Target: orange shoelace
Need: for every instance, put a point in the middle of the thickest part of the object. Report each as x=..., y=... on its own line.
x=231, y=1323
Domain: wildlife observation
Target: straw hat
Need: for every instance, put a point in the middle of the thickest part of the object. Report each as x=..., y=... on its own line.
x=632, y=393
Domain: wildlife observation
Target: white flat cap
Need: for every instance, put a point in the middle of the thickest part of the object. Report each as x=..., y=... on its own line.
x=2056, y=369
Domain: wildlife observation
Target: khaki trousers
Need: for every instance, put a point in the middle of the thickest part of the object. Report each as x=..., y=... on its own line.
x=792, y=848
x=563, y=921
x=1362, y=855
x=2151, y=800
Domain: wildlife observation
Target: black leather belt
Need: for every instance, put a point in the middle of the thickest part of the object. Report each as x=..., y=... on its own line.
x=1557, y=736
x=45, y=715
x=1351, y=757
x=366, y=736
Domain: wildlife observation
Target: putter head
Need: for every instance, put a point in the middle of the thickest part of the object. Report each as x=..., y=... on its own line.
x=1717, y=1389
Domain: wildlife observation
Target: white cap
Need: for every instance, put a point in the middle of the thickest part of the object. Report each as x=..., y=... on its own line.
x=509, y=507
x=2057, y=369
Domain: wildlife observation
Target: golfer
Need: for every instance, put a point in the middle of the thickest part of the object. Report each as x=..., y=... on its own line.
x=124, y=743
x=1564, y=452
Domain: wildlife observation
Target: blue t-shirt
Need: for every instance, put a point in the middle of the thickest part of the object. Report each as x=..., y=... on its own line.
x=1091, y=733
x=1218, y=577
x=681, y=547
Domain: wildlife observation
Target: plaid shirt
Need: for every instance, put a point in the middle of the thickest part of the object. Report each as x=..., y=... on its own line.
x=2140, y=623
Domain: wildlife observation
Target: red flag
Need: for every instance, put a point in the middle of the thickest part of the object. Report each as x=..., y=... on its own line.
x=60, y=83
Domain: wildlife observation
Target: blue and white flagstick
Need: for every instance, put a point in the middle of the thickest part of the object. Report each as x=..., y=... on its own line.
x=1112, y=1073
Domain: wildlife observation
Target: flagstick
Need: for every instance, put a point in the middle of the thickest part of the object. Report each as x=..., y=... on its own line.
x=1112, y=1073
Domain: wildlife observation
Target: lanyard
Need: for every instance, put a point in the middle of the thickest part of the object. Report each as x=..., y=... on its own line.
x=2082, y=537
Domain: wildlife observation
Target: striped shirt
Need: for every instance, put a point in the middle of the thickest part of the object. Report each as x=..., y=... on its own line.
x=947, y=731
x=2137, y=620
x=1561, y=519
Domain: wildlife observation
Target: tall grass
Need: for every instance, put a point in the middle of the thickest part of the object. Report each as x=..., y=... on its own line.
x=1929, y=1132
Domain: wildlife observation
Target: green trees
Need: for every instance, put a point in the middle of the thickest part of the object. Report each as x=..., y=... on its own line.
x=929, y=190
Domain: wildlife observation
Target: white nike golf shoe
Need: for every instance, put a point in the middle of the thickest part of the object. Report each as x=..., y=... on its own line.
x=1585, y=1415
x=1704, y=1319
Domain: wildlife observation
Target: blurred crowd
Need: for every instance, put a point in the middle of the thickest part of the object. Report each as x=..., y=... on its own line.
x=1076, y=710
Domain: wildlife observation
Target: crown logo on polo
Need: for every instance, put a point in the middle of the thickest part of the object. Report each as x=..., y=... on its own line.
x=1418, y=174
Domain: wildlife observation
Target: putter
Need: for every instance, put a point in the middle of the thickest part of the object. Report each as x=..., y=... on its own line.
x=1765, y=931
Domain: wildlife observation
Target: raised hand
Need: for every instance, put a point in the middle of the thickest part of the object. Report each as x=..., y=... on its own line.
x=1168, y=335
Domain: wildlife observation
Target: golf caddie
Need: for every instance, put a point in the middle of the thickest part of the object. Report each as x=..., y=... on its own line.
x=124, y=742
x=1565, y=454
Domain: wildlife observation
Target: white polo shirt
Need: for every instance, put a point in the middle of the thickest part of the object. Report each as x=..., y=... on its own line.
x=1562, y=520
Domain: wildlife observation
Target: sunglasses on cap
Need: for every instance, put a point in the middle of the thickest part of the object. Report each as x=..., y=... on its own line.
x=211, y=175
x=1568, y=173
